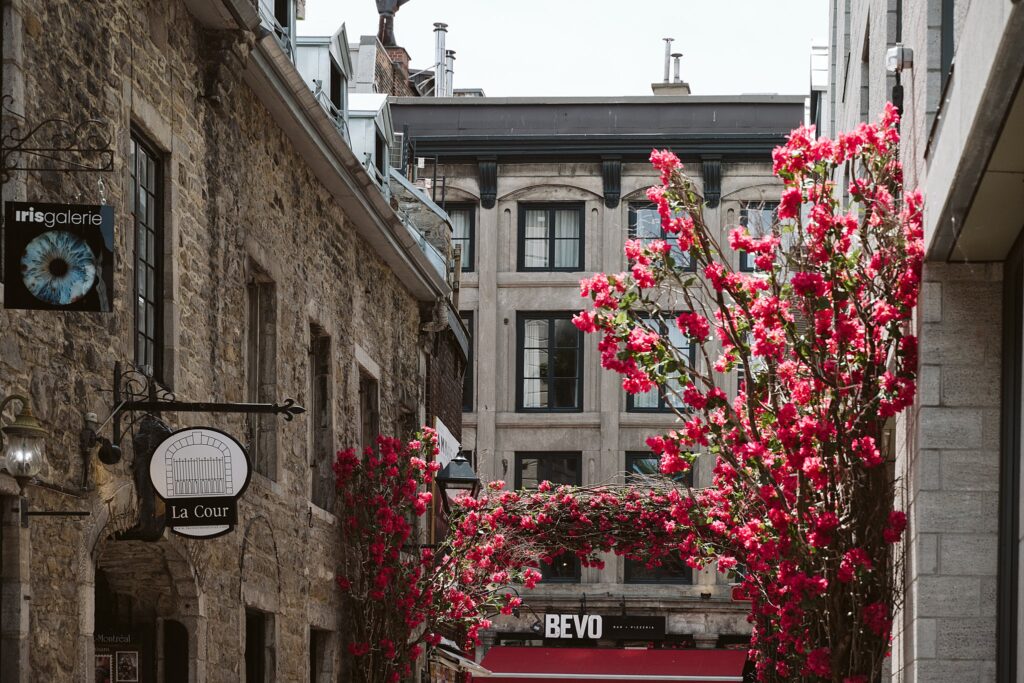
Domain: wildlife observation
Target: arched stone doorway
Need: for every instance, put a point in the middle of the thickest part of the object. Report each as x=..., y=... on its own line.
x=148, y=620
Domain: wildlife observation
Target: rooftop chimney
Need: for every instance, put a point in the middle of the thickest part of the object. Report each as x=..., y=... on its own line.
x=676, y=56
x=440, y=60
x=449, y=73
x=668, y=54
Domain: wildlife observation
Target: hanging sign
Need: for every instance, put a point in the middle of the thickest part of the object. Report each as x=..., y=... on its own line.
x=58, y=257
x=200, y=473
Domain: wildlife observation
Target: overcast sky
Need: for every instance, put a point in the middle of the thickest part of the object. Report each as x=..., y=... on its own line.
x=600, y=47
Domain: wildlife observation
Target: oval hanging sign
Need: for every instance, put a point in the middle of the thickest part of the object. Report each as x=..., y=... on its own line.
x=200, y=473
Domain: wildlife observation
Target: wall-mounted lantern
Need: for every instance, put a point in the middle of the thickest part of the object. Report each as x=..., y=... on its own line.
x=455, y=479
x=22, y=441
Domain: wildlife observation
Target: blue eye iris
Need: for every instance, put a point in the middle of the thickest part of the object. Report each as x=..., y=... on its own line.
x=58, y=268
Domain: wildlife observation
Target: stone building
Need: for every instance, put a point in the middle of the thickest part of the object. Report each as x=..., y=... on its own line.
x=260, y=252
x=959, y=454
x=541, y=193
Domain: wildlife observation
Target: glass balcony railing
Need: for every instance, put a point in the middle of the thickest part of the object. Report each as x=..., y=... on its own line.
x=281, y=34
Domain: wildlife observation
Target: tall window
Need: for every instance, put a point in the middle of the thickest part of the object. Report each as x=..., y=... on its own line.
x=558, y=468
x=551, y=236
x=369, y=415
x=262, y=371
x=758, y=219
x=467, y=380
x=147, y=200
x=259, y=647
x=668, y=397
x=550, y=363
x=645, y=225
x=320, y=668
x=322, y=417
x=638, y=465
x=464, y=233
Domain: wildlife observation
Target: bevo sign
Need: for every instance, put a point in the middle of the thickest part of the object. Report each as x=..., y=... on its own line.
x=597, y=627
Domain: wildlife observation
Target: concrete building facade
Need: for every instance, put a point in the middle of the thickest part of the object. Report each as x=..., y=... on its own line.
x=959, y=449
x=542, y=193
x=256, y=258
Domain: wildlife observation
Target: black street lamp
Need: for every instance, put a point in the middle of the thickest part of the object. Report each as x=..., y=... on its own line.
x=455, y=479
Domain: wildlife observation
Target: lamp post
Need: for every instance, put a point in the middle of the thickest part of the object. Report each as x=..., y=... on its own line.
x=22, y=442
x=455, y=479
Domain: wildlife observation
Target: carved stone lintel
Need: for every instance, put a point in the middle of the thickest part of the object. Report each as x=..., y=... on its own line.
x=712, y=172
x=611, y=174
x=226, y=55
x=488, y=181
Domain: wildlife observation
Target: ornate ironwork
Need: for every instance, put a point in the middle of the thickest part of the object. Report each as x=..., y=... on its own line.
x=138, y=395
x=55, y=144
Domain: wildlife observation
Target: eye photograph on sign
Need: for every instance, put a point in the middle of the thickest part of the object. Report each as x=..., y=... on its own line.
x=58, y=257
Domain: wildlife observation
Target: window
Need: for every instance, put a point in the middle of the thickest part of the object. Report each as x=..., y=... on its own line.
x=638, y=465
x=551, y=237
x=261, y=357
x=398, y=154
x=369, y=415
x=147, y=200
x=322, y=418
x=320, y=656
x=550, y=363
x=381, y=158
x=758, y=219
x=464, y=233
x=259, y=647
x=338, y=86
x=467, y=379
x=645, y=225
x=665, y=399
x=558, y=468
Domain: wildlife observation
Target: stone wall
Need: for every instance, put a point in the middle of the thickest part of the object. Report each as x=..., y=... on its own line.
x=238, y=197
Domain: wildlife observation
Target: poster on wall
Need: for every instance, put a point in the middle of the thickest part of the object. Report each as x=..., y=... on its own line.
x=58, y=257
x=104, y=669
x=119, y=658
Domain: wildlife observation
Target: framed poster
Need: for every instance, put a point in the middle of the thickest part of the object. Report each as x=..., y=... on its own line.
x=127, y=666
x=103, y=669
x=58, y=257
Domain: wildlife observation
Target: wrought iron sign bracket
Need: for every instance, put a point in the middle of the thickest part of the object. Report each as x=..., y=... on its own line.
x=136, y=394
x=54, y=144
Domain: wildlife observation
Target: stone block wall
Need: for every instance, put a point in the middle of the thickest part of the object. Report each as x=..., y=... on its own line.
x=238, y=197
x=952, y=470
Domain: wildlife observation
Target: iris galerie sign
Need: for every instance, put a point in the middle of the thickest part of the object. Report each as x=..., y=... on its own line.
x=200, y=473
x=58, y=257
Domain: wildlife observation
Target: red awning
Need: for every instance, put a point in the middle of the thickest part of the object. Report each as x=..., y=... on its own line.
x=533, y=664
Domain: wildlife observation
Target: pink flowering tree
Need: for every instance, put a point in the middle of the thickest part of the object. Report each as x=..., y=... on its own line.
x=817, y=338
x=398, y=594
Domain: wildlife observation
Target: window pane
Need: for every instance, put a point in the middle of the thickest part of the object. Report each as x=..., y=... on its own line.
x=648, y=225
x=535, y=253
x=567, y=224
x=535, y=393
x=563, y=364
x=566, y=393
x=648, y=400
x=567, y=336
x=536, y=333
x=529, y=470
x=536, y=226
x=460, y=223
x=567, y=253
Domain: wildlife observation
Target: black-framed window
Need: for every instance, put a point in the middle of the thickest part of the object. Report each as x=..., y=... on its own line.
x=549, y=363
x=467, y=379
x=638, y=465
x=665, y=399
x=645, y=225
x=551, y=236
x=561, y=467
x=464, y=232
x=757, y=218
x=147, y=204
x=322, y=418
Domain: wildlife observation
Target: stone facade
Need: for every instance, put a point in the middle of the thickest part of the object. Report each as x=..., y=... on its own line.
x=248, y=194
x=959, y=448
x=495, y=291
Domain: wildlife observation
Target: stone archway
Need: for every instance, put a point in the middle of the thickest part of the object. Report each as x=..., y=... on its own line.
x=144, y=598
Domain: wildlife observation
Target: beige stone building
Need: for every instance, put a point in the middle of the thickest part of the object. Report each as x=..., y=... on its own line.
x=959, y=81
x=541, y=193
x=262, y=249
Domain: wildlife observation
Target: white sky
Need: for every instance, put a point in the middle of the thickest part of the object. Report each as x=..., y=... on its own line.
x=600, y=47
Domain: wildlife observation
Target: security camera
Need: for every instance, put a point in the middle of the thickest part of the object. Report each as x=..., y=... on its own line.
x=898, y=58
